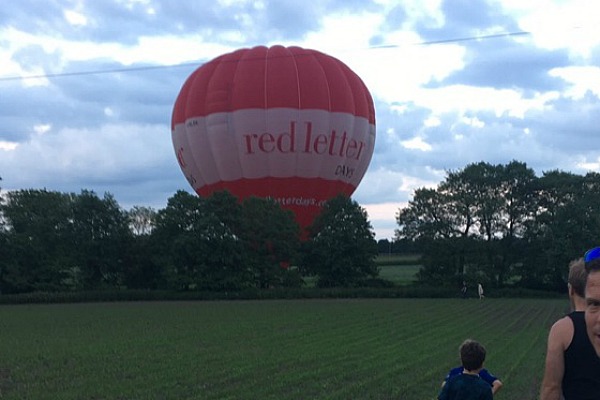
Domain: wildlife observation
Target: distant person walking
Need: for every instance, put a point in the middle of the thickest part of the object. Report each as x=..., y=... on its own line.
x=572, y=370
x=463, y=290
x=468, y=385
x=480, y=291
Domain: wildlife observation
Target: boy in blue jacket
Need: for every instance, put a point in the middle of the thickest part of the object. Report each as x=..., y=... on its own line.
x=468, y=385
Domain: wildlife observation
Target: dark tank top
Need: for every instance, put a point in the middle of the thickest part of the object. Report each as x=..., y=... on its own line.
x=581, y=380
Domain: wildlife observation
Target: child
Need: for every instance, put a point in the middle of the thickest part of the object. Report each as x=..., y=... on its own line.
x=484, y=374
x=468, y=385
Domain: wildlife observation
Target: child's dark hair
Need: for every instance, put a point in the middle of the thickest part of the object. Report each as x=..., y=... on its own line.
x=472, y=354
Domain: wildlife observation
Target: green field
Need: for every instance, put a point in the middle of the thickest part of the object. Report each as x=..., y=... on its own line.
x=400, y=269
x=277, y=349
x=399, y=274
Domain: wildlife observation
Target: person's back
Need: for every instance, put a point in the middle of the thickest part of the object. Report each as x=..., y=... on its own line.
x=495, y=383
x=466, y=387
x=582, y=366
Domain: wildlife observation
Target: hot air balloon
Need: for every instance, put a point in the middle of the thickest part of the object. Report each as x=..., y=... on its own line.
x=292, y=124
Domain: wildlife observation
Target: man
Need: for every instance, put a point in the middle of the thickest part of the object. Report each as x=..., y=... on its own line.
x=572, y=367
x=592, y=302
x=568, y=345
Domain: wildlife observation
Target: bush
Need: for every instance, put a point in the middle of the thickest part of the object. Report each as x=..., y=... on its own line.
x=372, y=288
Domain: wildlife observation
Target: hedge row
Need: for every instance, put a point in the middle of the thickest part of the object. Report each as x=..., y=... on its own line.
x=255, y=294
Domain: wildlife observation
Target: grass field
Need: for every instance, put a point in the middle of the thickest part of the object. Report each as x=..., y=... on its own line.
x=288, y=349
x=399, y=274
x=400, y=269
x=398, y=259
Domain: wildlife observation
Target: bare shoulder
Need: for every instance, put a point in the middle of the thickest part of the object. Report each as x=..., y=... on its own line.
x=561, y=333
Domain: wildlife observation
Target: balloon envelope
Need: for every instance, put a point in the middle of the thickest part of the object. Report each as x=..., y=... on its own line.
x=288, y=123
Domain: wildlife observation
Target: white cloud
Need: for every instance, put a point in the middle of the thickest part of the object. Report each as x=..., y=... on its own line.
x=404, y=64
x=473, y=121
x=42, y=129
x=432, y=121
x=589, y=166
x=7, y=146
x=573, y=24
x=500, y=101
x=80, y=155
x=75, y=18
x=582, y=80
x=397, y=74
x=342, y=32
x=161, y=50
x=416, y=143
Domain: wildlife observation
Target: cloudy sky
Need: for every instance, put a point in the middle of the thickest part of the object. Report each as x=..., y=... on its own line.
x=87, y=87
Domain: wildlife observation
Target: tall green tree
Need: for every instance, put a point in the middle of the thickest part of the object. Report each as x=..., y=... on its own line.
x=442, y=221
x=199, y=242
x=463, y=194
x=142, y=271
x=518, y=210
x=101, y=239
x=178, y=240
x=567, y=222
x=341, y=248
x=426, y=217
x=35, y=251
x=501, y=203
x=228, y=268
x=271, y=239
x=472, y=222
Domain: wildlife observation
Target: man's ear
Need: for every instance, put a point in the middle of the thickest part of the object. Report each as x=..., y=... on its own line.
x=571, y=291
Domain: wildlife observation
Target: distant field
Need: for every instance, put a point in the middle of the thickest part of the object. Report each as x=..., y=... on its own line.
x=400, y=275
x=278, y=349
x=400, y=269
x=397, y=259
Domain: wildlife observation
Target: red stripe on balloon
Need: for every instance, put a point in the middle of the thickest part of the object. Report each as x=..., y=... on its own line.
x=303, y=196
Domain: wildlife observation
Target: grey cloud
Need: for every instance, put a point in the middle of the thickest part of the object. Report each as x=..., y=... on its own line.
x=33, y=16
x=571, y=127
x=466, y=18
x=80, y=101
x=122, y=160
x=544, y=140
x=34, y=56
x=504, y=64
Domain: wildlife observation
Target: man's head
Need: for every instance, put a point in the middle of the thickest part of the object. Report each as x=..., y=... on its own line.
x=592, y=297
x=472, y=355
x=577, y=278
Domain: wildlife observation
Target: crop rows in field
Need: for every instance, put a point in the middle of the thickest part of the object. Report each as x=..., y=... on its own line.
x=288, y=349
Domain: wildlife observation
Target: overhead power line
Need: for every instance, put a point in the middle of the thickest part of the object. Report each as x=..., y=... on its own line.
x=157, y=67
x=96, y=72
x=456, y=40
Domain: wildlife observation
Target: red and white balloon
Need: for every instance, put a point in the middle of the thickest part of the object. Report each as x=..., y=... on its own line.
x=288, y=123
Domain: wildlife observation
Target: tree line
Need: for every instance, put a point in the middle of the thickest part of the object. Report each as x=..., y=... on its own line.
x=502, y=225
x=52, y=241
